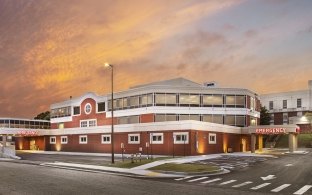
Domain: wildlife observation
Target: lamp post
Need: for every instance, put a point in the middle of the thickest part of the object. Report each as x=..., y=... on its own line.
x=112, y=106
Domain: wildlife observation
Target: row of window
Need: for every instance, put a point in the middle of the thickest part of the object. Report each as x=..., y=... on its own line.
x=155, y=138
x=234, y=120
x=66, y=111
x=285, y=118
x=25, y=124
x=285, y=106
x=173, y=99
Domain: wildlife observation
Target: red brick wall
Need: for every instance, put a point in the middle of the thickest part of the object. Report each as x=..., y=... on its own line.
x=224, y=141
x=23, y=143
x=278, y=118
x=147, y=118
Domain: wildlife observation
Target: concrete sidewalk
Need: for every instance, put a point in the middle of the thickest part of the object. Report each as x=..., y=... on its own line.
x=141, y=171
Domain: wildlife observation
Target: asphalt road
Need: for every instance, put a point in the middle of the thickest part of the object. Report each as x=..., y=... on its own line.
x=289, y=174
x=19, y=178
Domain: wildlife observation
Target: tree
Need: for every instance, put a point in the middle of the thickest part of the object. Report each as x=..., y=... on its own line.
x=308, y=116
x=264, y=116
x=43, y=116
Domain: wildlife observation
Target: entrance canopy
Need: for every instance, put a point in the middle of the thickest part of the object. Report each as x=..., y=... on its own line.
x=271, y=129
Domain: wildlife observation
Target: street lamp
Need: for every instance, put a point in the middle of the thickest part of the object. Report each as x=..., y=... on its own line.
x=112, y=106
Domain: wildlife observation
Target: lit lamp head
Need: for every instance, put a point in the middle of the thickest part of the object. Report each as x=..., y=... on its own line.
x=106, y=64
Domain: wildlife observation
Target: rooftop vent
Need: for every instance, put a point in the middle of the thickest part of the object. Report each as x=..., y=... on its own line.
x=211, y=84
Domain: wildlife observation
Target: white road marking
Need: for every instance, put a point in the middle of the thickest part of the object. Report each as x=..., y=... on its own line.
x=280, y=188
x=183, y=178
x=260, y=186
x=227, y=182
x=269, y=177
x=303, y=189
x=201, y=178
x=289, y=165
x=242, y=184
x=210, y=181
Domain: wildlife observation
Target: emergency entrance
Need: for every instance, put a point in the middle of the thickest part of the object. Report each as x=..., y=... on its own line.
x=257, y=132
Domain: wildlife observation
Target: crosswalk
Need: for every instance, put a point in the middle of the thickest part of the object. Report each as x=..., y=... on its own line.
x=249, y=184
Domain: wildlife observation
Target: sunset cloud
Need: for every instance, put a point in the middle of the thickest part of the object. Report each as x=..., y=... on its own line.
x=50, y=50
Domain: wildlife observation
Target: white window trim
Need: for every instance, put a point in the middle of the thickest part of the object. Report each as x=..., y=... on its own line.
x=134, y=142
x=88, y=104
x=215, y=138
x=92, y=120
x=80, y=136
x=98, y=108
x=156, y=134
x=88, y=122
x=181, y=133
x=106, y=135
x=53, y=137
x=62, y=139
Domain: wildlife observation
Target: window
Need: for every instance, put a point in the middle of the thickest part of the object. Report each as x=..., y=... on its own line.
x=240, y=101
x=285, y=118
x=92, y=123
x=212, y=138
x=165, y=117
x=217, y=119
x=76, y=110
x=299, y=103
x=128, y=120
x=106, y=139
x=229, y=120
x=53, y=140
x=63, y=139
x=88, y=123
x=60, y=126
x=146, y=100
x=181, y=137
x=271, y=119
x=207, y=118
x=284, y=104
x=83, y=123
x=240, y=121
x=101, y=107
x=88, y=108
x=189, y=99
x=133, y=138
x=83, y=139
x=230, y=100
x=156, y=138
x=165, y=99
x=271, y=105
x=213, y=100
x=134, y=101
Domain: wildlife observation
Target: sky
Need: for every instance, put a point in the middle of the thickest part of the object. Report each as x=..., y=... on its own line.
x=51, y=50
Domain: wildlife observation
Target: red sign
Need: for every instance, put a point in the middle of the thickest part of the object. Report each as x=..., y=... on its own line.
x=271, y=131
x=27, y=133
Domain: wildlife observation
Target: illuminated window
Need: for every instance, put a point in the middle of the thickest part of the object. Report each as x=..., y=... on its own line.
x=83, y=139
x=60, y=126
x=53, y=140
x=64, y=139
x=212, y=138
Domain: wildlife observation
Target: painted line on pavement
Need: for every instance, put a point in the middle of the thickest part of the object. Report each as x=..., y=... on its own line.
x=228, y=182
x=183, y=178
x=260, y=186
x=242, y=184
x=303, y=189
x=201, y=178
x=280, y=188
x=210, y=181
